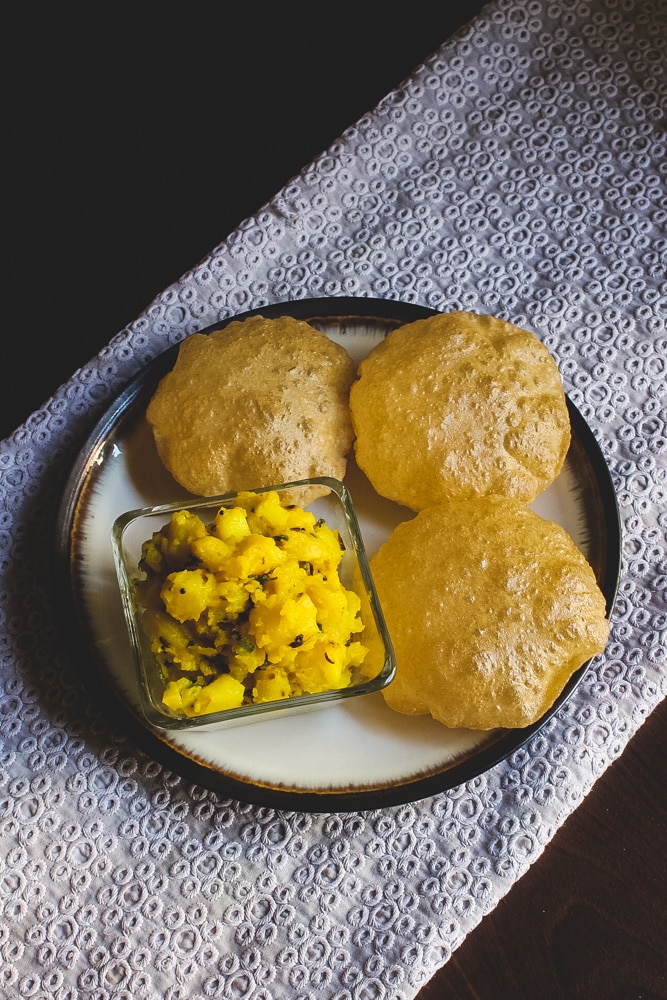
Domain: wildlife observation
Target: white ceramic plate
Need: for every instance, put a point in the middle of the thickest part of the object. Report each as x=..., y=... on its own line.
x=357, y=753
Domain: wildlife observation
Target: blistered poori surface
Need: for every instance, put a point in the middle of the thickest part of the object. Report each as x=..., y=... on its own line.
x=258, y=402
x=456, y=406
x=490, y=609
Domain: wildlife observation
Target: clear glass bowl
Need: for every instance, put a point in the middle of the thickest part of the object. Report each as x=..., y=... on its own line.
x=132, y=529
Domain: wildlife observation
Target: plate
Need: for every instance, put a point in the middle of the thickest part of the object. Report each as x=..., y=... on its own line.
x=356, y=754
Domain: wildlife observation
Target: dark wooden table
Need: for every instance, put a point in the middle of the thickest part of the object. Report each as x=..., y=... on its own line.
x=137, y=147
x=589, y=919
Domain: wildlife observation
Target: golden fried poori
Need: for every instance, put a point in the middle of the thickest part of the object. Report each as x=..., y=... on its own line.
x=258, y=402
x=490, y=609
x=456, y=406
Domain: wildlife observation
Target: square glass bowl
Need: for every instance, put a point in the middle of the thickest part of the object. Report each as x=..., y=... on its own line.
x=132, y=529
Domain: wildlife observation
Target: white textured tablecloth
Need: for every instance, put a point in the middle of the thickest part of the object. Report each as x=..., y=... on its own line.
x=521, y=171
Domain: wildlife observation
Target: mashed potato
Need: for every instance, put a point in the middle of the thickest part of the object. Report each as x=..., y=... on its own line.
x=250, y=608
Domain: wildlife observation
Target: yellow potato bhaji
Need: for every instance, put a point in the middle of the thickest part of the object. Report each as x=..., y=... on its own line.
x=500, y=610
x=250, y=608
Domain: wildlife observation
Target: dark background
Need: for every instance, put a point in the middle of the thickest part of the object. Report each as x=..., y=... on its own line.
x=134, y=145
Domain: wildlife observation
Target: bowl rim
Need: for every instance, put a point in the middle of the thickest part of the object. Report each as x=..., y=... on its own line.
x=158, y=715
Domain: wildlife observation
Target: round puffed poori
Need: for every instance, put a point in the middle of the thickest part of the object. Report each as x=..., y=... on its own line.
x=257, y=403
x=490, y=609
x=459, y=405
